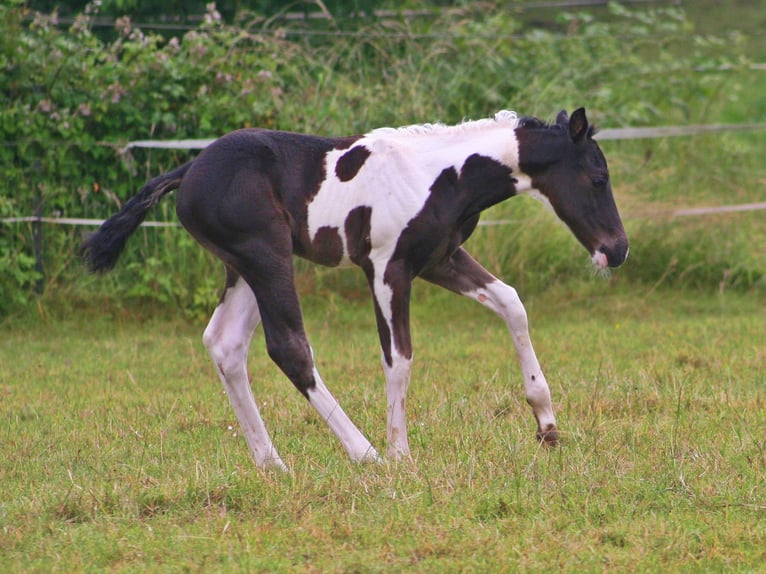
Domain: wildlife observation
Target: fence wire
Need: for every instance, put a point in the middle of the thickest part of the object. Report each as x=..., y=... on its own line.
x=605, y=134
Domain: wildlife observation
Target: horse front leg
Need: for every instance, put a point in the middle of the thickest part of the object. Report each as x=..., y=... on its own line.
x=392, y=313
x=504, y=300
x=397, y=374
x=464, y=275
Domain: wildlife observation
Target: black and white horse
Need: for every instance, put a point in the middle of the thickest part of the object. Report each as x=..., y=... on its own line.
x=399, y=203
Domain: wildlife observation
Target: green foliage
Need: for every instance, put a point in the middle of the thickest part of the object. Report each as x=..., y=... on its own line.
x=163, y=10
x=71, y=100
x=17, y=267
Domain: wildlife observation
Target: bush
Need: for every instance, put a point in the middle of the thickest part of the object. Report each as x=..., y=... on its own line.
x=71, y=101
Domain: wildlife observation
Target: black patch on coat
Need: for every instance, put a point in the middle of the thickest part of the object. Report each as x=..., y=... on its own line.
x=447, y=219
x=452, y=210
x=327, y=246
x=351, y=162
x=357, y=228
x=487, y=180
x=231, y=279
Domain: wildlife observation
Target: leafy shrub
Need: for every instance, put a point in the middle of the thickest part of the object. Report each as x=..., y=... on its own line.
x=72, y=100
x=17, y=266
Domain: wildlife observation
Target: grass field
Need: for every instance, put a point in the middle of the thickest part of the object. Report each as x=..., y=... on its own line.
x=120, y=451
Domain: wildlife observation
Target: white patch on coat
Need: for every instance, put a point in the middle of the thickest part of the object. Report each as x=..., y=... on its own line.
x=227, y=339
x=396, y=178
x=397, y=383
x=504, y=301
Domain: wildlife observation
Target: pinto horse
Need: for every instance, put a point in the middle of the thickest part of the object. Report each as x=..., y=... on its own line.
x=397, y=202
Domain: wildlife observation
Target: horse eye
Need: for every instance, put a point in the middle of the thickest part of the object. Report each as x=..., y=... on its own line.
x=599, y=181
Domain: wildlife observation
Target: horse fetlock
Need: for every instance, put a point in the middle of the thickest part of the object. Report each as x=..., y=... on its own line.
x=368, y=456
x=398, y=448
x=272, y=463
x=549, y=435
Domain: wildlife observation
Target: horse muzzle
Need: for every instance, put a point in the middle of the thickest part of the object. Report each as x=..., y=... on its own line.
x=612, y=255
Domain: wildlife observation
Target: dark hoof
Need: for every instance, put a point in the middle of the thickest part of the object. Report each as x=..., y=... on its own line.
x=549, y=436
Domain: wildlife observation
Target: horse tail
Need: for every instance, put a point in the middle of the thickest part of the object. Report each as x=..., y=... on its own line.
x=102, y=248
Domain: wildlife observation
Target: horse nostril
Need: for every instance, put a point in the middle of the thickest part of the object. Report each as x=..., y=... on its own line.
x=617, y=253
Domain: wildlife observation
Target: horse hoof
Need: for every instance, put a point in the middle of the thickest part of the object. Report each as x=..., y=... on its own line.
x=371, y=456
x=549, y=436
x=274, y=464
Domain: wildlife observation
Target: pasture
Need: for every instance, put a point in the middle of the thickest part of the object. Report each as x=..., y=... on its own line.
x=120, y=451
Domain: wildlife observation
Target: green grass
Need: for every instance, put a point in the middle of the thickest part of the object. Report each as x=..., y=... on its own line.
x=120, y=451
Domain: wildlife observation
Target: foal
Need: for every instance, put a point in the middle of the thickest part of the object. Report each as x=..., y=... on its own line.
x=399, y=203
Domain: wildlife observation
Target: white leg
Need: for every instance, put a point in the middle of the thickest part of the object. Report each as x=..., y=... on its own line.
x=355, y=443
x=464, y=275
x=392, y=297
x=397, y=383
x=227, y=339
x=504, y=300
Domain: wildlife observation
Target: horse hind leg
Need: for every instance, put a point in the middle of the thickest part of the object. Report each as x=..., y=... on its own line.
x=227, y=339
x=288, y=347
x=269, y=272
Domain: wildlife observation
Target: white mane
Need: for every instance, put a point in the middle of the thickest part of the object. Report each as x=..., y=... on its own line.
x=503, y=118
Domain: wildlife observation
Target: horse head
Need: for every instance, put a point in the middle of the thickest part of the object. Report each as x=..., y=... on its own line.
x=568, y=169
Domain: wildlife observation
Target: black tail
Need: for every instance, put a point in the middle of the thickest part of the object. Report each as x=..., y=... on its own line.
x=102, y=248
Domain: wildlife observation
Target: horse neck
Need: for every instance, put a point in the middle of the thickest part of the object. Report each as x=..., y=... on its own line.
x=485, y=161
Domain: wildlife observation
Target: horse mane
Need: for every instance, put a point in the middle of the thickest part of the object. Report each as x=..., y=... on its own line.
x=532, y=123
x=504, y=118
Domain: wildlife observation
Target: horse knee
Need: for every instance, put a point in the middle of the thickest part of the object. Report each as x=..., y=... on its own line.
x=513, y=309
x=517, y=319
x=227, y=353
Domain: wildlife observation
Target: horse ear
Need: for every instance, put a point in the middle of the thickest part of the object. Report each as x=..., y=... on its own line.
x=578, y=125
x=563, y=118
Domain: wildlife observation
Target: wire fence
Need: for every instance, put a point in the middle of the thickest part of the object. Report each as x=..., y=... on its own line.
x=37, y=221
x=192, y=21
x=293, y=23
x=605, y=134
